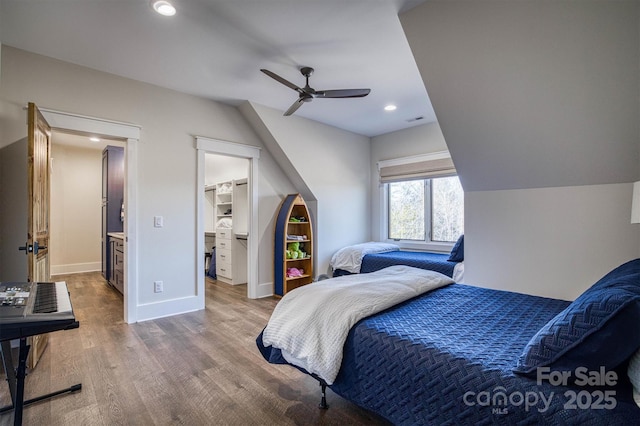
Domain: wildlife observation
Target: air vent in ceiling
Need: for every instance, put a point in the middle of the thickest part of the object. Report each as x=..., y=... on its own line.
x=411, y=120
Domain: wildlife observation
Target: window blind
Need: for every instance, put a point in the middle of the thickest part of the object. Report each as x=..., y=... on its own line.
x=425, y=169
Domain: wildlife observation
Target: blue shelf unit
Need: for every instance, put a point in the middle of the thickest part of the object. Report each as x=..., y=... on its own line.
x=293, y=225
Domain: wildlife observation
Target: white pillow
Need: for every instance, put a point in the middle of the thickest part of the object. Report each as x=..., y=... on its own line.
x=634, y=375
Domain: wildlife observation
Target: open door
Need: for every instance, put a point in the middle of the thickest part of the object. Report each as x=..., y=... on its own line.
x=36, y=248
x=39, y=155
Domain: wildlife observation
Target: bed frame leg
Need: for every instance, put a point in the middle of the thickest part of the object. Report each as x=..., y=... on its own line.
x=323, y=402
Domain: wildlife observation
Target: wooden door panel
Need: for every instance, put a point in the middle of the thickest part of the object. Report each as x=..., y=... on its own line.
x=39, y=153
x=39, y=191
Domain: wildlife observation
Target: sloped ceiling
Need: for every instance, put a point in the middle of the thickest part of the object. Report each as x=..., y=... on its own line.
x=216, y=48
x=533, y=94
x=258, y=124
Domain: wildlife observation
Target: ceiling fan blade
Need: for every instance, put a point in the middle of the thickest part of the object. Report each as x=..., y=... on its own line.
x=293, y=108
x=282, y=80
x=343, y=93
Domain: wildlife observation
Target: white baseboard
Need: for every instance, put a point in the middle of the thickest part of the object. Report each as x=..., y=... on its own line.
x=76, y=268
x=228, y=281
x=168, y=308
x=264, y=290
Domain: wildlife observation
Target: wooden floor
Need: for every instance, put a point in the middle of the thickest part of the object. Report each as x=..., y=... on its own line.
x=201, y=368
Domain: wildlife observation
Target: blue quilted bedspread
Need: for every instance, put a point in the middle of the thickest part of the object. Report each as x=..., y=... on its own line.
x=418, y=259
x=446, y=357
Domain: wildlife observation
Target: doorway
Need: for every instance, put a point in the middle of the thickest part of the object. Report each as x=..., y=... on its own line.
x=78, y=241
x=245, y=154
x=73, y=123
x=75, y=196
x=226, y=218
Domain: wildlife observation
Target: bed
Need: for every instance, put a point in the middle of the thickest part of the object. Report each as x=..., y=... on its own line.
x=459, y=354
x=373, y=256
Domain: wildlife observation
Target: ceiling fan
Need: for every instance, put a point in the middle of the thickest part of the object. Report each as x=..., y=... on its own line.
x=307, y=93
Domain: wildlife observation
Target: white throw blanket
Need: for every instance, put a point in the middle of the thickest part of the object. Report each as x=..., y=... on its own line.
x=311, y=323
x=350, y=258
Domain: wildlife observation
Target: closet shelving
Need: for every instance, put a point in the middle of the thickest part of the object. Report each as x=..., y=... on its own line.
x=230, y=212
x=224, y=200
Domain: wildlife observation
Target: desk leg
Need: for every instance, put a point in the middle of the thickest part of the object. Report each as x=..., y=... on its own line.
x=15, y=378
x=9, y=368
x=16, y=381
x=21, y=375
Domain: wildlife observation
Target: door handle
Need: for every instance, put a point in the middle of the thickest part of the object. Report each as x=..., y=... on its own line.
x=28, y=248
x=36, y=247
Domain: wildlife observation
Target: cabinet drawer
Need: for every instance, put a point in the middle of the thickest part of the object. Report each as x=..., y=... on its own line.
x=118, y=260
x=222, y=244
x=224, y=269
x=223, y=255
x=118, y=244
x=224, y=233
x=118, y=281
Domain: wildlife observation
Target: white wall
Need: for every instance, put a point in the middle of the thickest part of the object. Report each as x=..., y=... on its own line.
x=334, y=164
x=553, y=242
x=222, y=168
x=418, y=140
x=76, y=197
x=166, y=177
x=13, y=210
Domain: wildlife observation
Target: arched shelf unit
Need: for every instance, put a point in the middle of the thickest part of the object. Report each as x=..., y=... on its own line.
x=293, y=225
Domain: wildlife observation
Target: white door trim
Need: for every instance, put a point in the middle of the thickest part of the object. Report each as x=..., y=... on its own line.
x=59, y=120
x=252, y=153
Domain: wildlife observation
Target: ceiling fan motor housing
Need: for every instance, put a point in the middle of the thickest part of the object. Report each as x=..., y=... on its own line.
x=306, y=71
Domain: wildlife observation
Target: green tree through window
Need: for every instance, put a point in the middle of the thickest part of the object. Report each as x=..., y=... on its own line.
x=416, y=206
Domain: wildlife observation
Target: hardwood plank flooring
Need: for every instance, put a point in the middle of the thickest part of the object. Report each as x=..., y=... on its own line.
x=200, y=368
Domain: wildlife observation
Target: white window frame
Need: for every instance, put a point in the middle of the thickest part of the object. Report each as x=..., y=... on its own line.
x=427, y=245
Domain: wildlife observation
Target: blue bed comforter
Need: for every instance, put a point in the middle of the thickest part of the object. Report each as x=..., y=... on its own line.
x=447, y=358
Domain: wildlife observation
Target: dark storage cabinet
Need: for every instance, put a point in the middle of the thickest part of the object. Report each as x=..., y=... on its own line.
x=112, y=201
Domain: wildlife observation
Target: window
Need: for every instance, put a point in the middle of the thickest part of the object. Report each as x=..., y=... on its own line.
x=447, y=209
x=425, y=210
x=406, y=210
x=422, y=201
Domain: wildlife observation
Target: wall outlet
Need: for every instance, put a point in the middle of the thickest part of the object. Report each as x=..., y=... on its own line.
x=157, y=286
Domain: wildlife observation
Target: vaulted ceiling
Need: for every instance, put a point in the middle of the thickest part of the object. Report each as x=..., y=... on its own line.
x=528, y=94
x=533, y=94
x=216, y=48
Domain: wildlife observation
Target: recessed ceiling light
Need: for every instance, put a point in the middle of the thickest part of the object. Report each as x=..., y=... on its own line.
x=94, y=139
x=164, y=8
x=390, y=107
